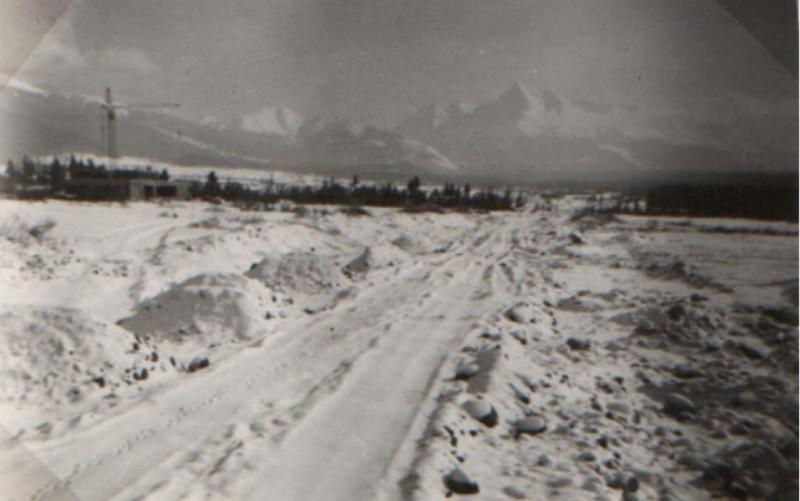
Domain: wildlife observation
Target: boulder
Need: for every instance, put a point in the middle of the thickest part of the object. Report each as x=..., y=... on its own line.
x=675, y=404
x=482, y=411
x=578, y=344
x=458, y=482
x=531, y=425
x=197, y=363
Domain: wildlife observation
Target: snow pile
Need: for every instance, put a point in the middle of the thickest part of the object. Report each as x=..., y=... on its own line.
x=18, y=231
x=59, y=353
x=416, y=245
x=219, y=307
x=360, y=265
x=303, y=273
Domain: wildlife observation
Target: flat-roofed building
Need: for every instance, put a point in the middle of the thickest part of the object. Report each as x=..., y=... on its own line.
x=126, y=189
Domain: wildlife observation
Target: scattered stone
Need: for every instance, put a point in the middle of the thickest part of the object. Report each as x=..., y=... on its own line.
x=491, y=336
x=645, y=327
x=517, y=313
x=543, y=460
x=783, y=315
x=586, y=457
x=514, y=492
x=676, y=312
x=743, y=400
x=520, y=395
x=686, y=372
x=520, y=336
x=750, y=352
x=697, y=298
x=531, y=425
x=691, y=462
x=483, y=411
x=675, y=405
x=559, y=482
x=576, y=238
x=197, y=364
x=578, y=344
x=616, y=481
x=618, y=407
x=458, y=482
x=466, y=371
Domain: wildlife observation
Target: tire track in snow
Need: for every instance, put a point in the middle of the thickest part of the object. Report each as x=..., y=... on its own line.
x=186, y=421
x=366, y=403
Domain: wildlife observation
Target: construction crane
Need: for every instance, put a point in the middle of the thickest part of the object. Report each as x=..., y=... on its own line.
x=110, y=110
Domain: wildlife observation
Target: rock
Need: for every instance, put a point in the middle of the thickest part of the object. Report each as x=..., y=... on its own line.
x=531, y=425
x=466, y=371
x=520, y=395
x=520, y=336
x=578, y=344
x=197, y=363
x=697, y=298
x=686, y=372
x=632, y=485
x=458, y=482
x=519, y=313
x=783, y=315
x=576, y=238
x=491, y=336
x=743, y=400
x=514, y=492
x=616, y=481
x=586, y=457
x=675, y=405
x=543, y=460
x=750, y=352
x=559, y=482
x=618, y=407
x=483, y=411
x=676, y=312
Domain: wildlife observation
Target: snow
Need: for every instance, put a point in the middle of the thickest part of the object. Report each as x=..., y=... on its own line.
x=278, y=120
x=333, y=343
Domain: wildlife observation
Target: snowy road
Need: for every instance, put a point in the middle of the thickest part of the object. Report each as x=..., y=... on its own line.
x=357, y=400
x=371, y=376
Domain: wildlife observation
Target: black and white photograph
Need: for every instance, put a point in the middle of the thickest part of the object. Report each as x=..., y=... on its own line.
x=399, y=250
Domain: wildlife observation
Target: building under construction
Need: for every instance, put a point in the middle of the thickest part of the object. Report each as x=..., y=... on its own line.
x=126, y=189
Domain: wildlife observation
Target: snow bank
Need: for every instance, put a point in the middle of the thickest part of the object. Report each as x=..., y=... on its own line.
x=60, y=353
x=304, y=273
x=220, y=307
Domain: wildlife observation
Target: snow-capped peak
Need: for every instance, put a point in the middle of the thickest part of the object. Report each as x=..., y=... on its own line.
x=277, y=120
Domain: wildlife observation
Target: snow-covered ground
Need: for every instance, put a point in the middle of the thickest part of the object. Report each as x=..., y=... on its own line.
x=196, y=351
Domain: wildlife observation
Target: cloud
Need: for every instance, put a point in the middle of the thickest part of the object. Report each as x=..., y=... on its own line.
x=121, y=59
x=59, y=54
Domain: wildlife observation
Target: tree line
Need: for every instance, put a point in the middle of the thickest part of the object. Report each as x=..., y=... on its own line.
x=53, y=176
x=332, y=192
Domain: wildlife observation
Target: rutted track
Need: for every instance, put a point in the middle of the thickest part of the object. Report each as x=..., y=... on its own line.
x=392, y=336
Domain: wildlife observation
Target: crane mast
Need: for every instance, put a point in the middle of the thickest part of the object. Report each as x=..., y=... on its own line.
x=110, y=111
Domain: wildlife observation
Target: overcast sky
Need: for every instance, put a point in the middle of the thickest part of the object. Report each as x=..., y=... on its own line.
x=377, y=60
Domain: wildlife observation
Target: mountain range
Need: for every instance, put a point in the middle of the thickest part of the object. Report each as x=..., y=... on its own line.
x=520, y=135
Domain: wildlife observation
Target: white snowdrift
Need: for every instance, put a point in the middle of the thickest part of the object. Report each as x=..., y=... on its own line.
x=52, y=354
x=221, y=307
x=303, y=273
